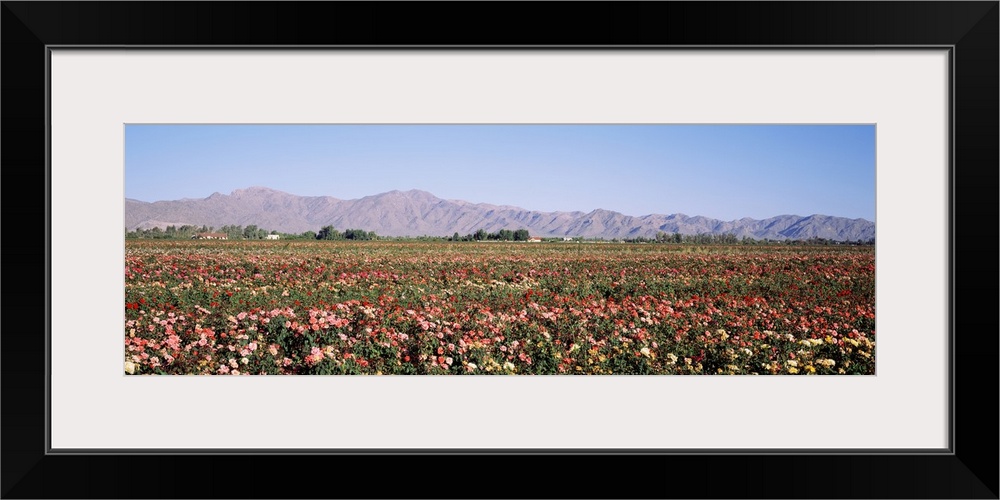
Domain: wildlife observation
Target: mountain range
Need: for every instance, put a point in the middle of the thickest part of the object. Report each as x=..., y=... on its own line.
x=417, y=213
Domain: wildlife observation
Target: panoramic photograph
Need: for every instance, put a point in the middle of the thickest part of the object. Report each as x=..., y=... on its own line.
x=499, y=249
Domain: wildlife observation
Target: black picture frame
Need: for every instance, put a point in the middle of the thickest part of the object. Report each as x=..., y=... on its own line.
x=970, y=29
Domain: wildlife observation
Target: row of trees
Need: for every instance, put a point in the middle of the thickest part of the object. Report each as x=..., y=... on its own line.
x=331, y=233
x=233, y=232
x=252, y=232
x=501, y=235
x=662, y=238
x=189, y=231
x=731, y=239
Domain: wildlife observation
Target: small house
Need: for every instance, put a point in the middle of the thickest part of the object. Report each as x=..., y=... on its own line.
x=273, y=237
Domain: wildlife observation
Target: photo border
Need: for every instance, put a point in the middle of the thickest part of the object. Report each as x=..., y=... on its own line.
x=31, y=29
x=93, y=69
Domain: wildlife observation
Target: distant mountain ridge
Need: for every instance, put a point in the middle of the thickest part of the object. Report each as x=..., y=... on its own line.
x=418, y=213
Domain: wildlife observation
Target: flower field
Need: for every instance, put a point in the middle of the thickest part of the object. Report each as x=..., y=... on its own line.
x=389, y=307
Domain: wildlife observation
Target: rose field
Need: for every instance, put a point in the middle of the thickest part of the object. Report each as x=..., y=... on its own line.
x=481, y=308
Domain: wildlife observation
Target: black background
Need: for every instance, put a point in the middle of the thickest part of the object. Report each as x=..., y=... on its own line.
x=971, y=472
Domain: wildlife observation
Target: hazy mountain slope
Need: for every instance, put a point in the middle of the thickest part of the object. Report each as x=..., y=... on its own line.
x=415, y=213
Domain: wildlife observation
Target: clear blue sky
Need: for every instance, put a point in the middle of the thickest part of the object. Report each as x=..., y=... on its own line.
x=720, y=171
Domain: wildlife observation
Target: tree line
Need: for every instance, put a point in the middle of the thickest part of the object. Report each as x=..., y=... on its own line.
x=732, y=239
x=329, y=233
x=251, y=232
x=501, y=235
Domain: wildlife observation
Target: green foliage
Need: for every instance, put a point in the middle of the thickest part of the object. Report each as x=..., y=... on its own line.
x=328, y=233
x=359, y=235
